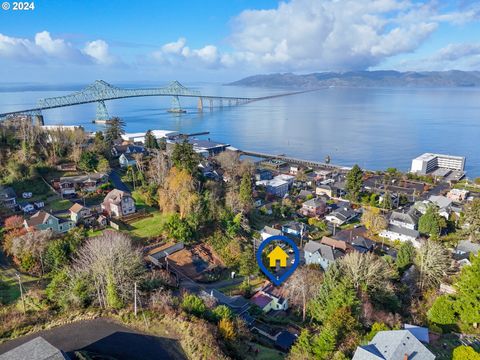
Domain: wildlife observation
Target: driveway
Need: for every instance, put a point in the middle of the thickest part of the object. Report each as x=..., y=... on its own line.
x=117, y=181
x=105, y=337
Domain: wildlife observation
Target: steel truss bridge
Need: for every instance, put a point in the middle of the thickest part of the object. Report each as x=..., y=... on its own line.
x=100, y=91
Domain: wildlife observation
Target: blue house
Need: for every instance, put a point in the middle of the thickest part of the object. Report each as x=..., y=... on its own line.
x=294, y=228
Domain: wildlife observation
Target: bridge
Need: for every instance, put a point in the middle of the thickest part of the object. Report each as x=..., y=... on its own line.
x=100, y=91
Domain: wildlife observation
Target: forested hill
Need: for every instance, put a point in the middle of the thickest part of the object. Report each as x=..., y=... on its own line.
x=453, y=78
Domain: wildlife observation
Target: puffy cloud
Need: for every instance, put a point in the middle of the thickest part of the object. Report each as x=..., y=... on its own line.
x=178, y=53
x=44, y=48
x=453, y=52
x=330, y=34
x=98, y=51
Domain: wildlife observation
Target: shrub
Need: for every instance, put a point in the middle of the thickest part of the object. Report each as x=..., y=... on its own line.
x=194, y=305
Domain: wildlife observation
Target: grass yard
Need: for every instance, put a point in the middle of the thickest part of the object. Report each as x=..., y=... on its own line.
x=40, y=191
x=148, y=227
x=9, y=289
x=264, y=353
x=235, y=289
x=58, y=204
x=93, y=233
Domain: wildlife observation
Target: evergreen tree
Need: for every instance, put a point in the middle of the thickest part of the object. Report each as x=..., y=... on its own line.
x=245, y=195
x=464, y=352
x=115, y=129
x=302, y=349
x=150, y=141
x=354, y=183
x=405, y=256
x=468, y=292
x=184, y=157
x=431, y=222
x=442, y=311
x=472, y=220
x=88, y=161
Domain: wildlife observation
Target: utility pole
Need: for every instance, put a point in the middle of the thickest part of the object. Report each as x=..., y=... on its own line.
x=21, y=291
x=135, y=299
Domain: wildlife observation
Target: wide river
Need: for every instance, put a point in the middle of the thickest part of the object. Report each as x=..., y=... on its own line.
x=373, y=127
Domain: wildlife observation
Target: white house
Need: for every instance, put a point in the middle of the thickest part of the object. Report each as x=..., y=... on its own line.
x=126, y=160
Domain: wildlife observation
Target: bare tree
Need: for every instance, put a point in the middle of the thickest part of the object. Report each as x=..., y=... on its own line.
x=34, y=243
x=432, y=262
x=366, y=270
x=78, y=139
x=302, y=286
x=158, y=167
x=112, y=265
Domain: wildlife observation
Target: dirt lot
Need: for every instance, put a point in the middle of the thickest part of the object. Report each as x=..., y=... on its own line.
x=196, y=261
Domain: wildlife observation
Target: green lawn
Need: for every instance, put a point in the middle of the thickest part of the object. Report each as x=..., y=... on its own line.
x=40, y=191
x=58, y=204
x=264, y=353
x=148, y=227
x=234, y=289
x=93, y=233
x=470, y=187
x=9, y=289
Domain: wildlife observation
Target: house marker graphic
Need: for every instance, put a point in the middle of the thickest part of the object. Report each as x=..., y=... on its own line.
x=277, y=254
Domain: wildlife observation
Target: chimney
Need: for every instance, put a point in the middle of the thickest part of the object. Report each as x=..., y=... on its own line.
x=405, y=356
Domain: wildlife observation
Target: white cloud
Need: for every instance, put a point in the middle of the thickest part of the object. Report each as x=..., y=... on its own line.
x=178, y=53
x=98, y=50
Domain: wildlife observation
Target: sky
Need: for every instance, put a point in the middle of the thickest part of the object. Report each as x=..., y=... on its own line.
x=224, y=40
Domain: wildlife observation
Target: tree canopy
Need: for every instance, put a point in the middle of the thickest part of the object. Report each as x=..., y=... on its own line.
x=354, y=183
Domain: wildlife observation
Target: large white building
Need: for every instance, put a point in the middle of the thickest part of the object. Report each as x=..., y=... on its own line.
x=428, y=162
x=159, y=134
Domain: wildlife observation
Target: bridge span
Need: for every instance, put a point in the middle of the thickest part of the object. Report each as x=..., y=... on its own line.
x=101, y=91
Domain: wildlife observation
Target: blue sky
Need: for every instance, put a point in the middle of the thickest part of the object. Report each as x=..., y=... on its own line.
x=220, y=40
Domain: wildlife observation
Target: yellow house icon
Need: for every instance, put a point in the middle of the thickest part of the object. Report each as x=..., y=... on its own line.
x=278, y=254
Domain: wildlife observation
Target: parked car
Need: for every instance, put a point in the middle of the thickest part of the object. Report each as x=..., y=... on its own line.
x=39, y=204
x=27, y=195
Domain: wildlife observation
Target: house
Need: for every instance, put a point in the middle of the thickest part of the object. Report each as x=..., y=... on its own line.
x=266, y=300
x=8, y=198
x=268, y=231
x=43, y=220
x=464, y=249
x=27, y=207
x=288, y=178
x=357, y=238
x=337, y=244
x=324, y=190
x=102, y=221
x=407, y=220
x=393, y=345
x=305, y=194
x=126, y=160
x=274, y=186
x=35, y=349
x=277, y=255
x=69, y=185
x=294, y=228
x=421, y=333
x=81, y=214
x=128, y=149
x=403, y=226
x=118, y=203
x=313, y=207
x=458, y=195
x=321, y=254
x=342, y=215
x=158, y=134
x=323, y=174
x=263, y=174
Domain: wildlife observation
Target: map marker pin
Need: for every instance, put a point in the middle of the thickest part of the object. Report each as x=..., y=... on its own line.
x=275, y=279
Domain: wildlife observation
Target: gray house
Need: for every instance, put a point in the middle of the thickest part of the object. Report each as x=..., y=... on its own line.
x=35, y=349
x=321, y=254
x=43, y=220
x=8, y=198
x=393, y=345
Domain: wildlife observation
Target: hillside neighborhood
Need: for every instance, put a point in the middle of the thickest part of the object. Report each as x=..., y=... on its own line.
x=158, y=232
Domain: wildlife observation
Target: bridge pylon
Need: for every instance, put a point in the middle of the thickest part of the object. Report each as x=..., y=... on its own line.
x=176, y=108
x=200, y=104
x=102, y=112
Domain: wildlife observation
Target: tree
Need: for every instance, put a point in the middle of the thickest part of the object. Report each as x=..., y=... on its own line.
x=472, y=220
x=335, y=292
x=150, y=140
x=354, y=183
x=111, y=266
x=431, y=261
x=248, y=264
x=302, y=349
x=179, y=229
x=222, y=312
x=302, y=286
x=464, y=352
x=405, y=256
x=115, y=129
x=387, y=202
x=103, y=165
x=245, y=193
x=88, y=161
x=376, y=327
x=178, y=193
x=442, y=311
x=431, y=222
x=324, y=343
x=365, y=270
x=468, y=292
x=227, y=329
x=374, y=221
x=194, y=305
x=184, y=157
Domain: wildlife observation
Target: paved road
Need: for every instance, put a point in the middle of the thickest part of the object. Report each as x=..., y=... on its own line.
x=117, y=181
x=105, y=337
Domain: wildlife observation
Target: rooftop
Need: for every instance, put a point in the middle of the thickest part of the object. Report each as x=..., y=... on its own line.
x=35, y=349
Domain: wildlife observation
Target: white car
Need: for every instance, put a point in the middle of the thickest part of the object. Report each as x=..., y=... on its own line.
x=27, y=195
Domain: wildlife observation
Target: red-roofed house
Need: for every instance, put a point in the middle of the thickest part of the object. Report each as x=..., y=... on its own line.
x=267, y=301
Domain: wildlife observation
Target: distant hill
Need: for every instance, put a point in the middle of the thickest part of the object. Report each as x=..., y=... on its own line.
x=452, y=78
